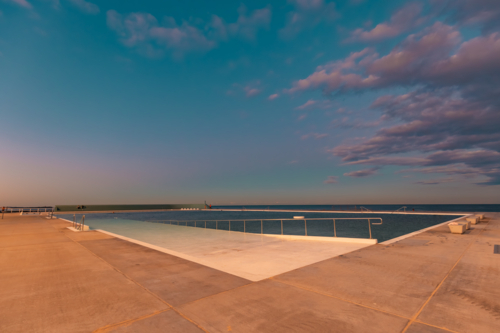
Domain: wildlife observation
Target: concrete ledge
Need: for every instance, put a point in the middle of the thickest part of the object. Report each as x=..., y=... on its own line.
x=85, y=228
x=324, y=239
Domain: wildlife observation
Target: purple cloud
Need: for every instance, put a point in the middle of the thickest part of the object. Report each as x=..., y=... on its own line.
x=331, y=180
x=420, y=58
x=402, y=21
x=453, y=114
x=362, y=173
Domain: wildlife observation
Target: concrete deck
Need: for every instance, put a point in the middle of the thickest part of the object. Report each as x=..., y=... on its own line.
x=250, y=256
x=56, y=280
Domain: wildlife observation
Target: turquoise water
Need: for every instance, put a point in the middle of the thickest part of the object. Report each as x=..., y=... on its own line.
x=394, y=225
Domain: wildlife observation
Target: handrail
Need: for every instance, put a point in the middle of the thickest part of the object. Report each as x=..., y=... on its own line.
x=79, y=226
x=185, y=222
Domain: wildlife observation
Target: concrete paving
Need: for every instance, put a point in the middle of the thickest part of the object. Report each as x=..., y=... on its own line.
x=56, y=280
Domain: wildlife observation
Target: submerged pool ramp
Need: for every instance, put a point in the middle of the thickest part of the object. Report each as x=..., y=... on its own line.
x=55, y=279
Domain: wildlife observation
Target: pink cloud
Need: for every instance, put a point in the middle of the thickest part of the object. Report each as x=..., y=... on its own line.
x=273, y=97
x=402, y=21
x=422, y=58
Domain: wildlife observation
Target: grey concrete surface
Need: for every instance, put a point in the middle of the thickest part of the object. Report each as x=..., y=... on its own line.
x=55, y=280
x=175, y=280
x=270, y=306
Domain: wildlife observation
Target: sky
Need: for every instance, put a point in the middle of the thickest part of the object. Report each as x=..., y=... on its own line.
x=261, y=102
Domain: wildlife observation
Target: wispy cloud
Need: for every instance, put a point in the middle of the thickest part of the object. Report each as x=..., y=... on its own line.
x=435, y=181
x=86, y=7
x=273, y=97
x=362, y=173
x=307, y=14
x=22, y=3
x=247, y=25
x=251, y=91
x=306, y=105
x=346, y=122
x=316, y=136
x=142, y=31
x=314, y=104
x=331, y=180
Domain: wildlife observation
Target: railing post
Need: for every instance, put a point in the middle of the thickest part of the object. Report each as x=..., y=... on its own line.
x=205, y=224
x=216, y=224
x=261, y=227
x=195, y=224
x=229, y=225
x=370, y=228
x=305, y=226
x=244, y=226
x=282, y=227
x=334, y=229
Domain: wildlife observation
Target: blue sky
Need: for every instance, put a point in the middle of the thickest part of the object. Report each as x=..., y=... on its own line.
x=260, y=102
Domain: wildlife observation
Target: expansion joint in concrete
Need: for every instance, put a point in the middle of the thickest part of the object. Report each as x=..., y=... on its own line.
x=107, y=328
x=415, y=316
x=340, y=299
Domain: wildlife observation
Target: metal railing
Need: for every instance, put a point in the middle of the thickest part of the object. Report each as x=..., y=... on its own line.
x=31, y=210
x=403, y=208
x=203, y=223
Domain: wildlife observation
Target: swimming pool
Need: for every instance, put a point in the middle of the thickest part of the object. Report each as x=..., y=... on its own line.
x=394, y=225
